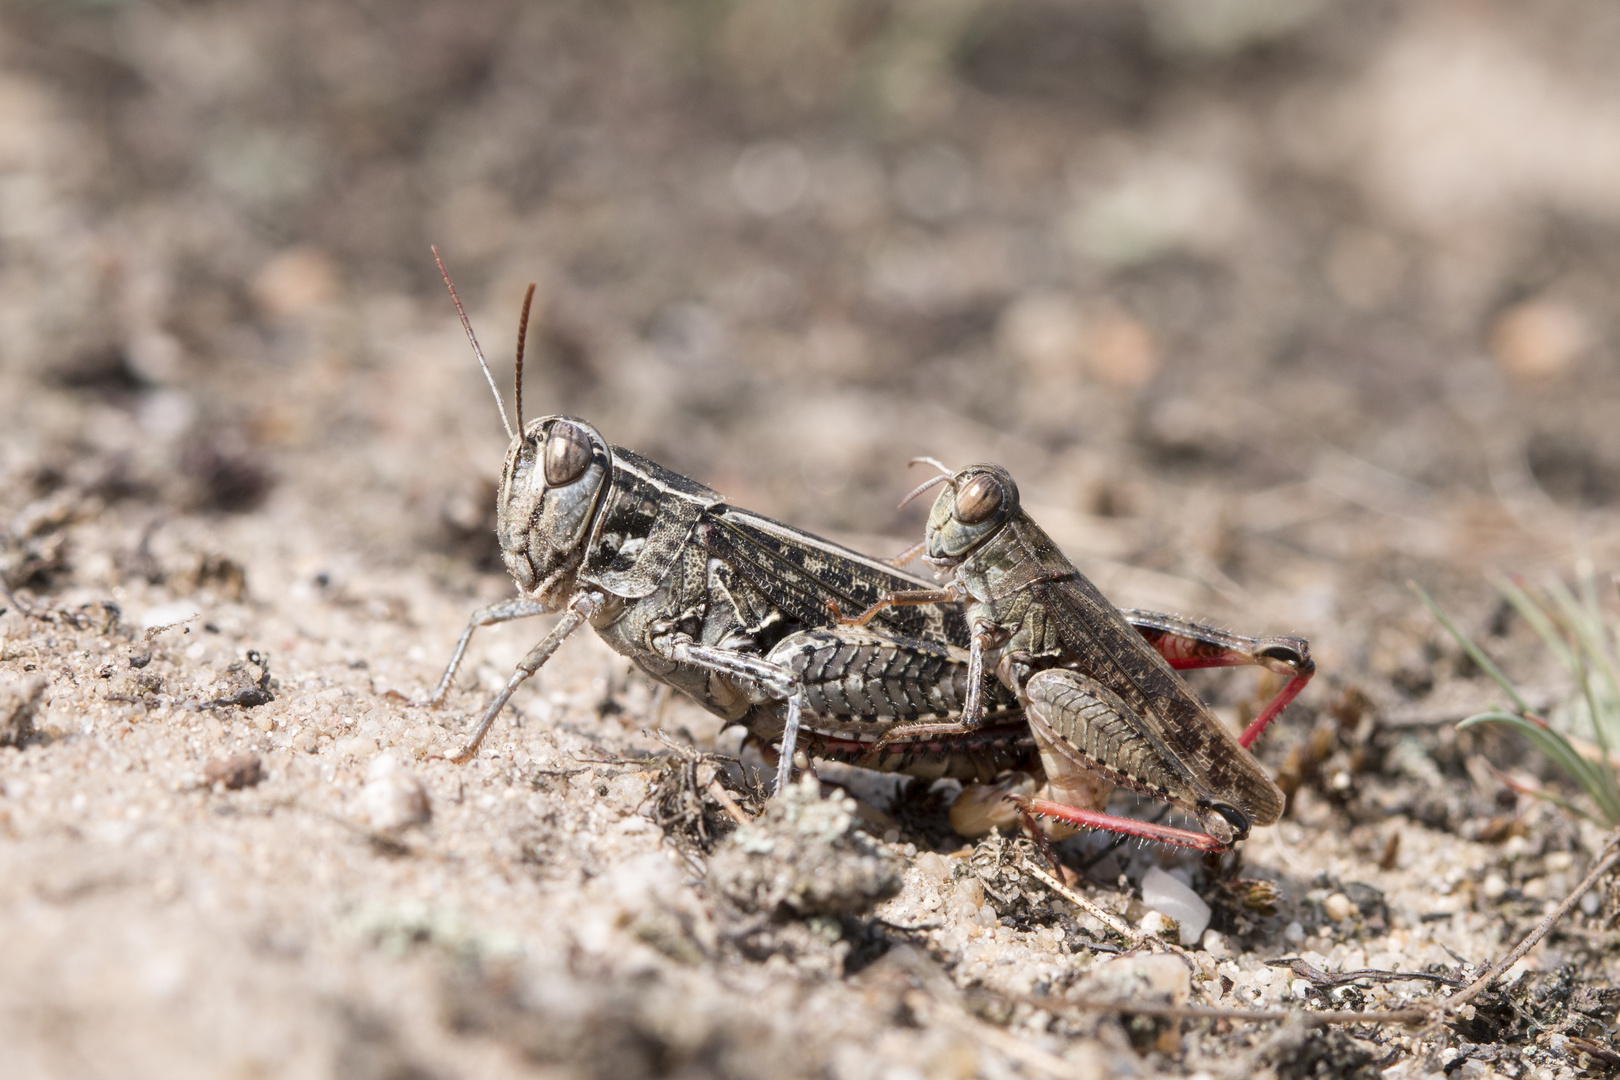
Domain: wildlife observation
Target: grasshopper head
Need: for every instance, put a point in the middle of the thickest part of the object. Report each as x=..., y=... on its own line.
x=550, y=489
x=975, y=503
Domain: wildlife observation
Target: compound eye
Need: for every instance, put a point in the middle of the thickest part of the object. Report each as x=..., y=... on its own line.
x=568, y=452
x=977, y=499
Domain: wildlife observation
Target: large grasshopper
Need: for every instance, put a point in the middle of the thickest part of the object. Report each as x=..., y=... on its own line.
x=728, y=606
x=1099, y=687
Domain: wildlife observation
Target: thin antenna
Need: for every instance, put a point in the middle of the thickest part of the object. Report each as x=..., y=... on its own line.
x=945, y=475
x=523, y=332
x=922, y=487
x=499, y=403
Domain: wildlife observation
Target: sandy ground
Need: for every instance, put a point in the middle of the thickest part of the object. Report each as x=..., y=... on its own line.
x=1269, y=308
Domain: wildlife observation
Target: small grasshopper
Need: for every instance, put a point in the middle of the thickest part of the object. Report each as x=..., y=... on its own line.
x=1101, y=695
x=730, y=607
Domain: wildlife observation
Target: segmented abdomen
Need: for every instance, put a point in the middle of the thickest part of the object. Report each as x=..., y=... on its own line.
x=861, y=683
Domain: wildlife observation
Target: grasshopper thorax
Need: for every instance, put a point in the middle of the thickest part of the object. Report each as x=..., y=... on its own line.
x=551, y=486
x=976, y=502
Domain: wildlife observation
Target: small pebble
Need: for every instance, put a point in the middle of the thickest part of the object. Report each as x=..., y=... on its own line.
x=1493, y=886
x=932, y=866
x=393, y=798
x=20, y=698
x=235, y=773
x=1338, y=907
x=1160, y=974
x=1539, y=339
x=1294, y=933
x=1166, y=894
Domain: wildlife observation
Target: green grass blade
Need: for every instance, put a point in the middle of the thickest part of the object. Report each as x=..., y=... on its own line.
x=1475, y=653
x=1534, y=614
x=1585, y=621
x=1606, y=719
x=1545, y=739
x=1597, y=779
x=1602, y=771
x=1563, y=804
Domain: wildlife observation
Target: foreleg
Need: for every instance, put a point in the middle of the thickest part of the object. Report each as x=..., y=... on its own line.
x=907, y=555
x=575, y=615
x=1187, y=645
x=504, y=611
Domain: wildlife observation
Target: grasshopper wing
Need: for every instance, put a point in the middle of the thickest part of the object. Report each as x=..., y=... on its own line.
x=1109, y=650
x=800, y=572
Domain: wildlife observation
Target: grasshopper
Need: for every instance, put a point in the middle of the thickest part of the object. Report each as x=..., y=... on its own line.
x=1099, y=686
x=728, y=606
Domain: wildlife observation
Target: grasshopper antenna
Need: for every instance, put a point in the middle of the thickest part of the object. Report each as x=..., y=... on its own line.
x=523, y=333
x=467, y=326
x=943, y=477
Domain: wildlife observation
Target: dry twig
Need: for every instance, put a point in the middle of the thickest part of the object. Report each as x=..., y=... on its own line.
x=1609, y=858
x=1415, y=1014
x=1135, y=938
x=727, y=803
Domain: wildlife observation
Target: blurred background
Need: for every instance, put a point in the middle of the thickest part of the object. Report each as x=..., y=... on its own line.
x=1268, y=304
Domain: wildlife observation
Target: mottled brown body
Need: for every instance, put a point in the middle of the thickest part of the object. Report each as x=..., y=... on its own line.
x=1103, y=702
x=1129, y=715
x=729, y=607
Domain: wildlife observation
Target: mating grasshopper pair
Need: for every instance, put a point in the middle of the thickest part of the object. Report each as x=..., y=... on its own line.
x=741, y=613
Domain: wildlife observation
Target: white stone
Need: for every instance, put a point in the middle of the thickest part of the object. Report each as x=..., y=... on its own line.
x=1338, y=907
x=1168, y=896
x=165, y=615
x=393, y=797
x=1159, y=974
x=1156, y=923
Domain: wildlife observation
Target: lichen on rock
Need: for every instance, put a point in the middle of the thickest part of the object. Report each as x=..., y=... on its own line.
x=805, y=857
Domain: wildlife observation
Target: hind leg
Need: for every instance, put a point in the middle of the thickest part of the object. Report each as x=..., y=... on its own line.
x=1187, y=645
x=1089, y=739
